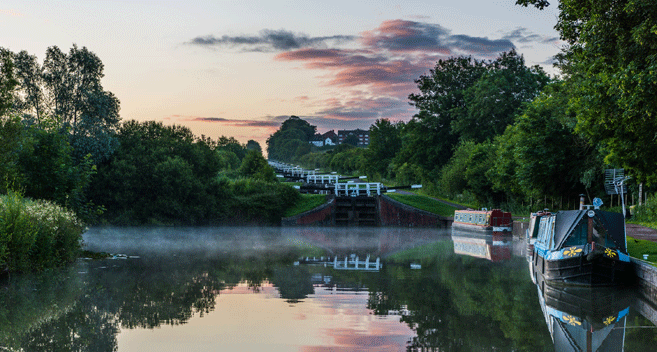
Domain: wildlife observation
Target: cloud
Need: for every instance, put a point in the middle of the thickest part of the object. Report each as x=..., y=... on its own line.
x=374, y=75
x=523, y=35
x=269, y=40
x=273, y=122
x=412, y=36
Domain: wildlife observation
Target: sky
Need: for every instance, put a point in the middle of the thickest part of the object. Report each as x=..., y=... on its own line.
x=239, y=68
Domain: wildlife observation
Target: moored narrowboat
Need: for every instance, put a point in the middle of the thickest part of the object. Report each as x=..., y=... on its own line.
x=580, y=247
x=494, y=220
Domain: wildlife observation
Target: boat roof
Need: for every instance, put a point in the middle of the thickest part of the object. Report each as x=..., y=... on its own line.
x=566, y=222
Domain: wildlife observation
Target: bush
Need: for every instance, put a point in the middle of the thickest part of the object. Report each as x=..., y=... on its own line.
x=36, y=234
x=646, y=212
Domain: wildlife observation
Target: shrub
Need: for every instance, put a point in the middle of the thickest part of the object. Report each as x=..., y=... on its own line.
x=36, y=234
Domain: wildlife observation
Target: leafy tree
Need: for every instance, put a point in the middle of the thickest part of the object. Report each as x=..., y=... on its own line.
x=290, y=142
x=385, y=142
x=47, y=170
x=441, y=96
x=11, y=136
x=467, y=171
x=8, y=80
x=611, y=56
x=493, y=101
x=548, y=158
x=231, y=144
x=161, y=173
x=30, y=76
x=253, y=145
x=255, y=166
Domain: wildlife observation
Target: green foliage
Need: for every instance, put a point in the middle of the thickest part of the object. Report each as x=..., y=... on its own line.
x=467, y=172
x=11, y=136
x=612, y=64
x=162, y=174
x=36, y=234
x=305, y=203
x=49, y=171
x=494, y=100
x=258, y=201
x=255, y=166
x=385, y=142
x=290, y=142
x=253, y=145
x=8, y=80
x=637, y=248
x=541, y=156
x=425, y=203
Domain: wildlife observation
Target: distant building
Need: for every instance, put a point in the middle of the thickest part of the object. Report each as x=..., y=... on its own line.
x=317, y=140
x=363, y=136
x=328, y=138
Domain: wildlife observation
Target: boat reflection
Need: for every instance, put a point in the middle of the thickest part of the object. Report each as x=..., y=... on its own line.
x=495, y=246
x=585, y=318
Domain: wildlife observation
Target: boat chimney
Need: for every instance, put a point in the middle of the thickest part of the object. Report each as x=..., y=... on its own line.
x=581, y=202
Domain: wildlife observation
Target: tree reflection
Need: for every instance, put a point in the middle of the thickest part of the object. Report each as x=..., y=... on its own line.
x=448, y=309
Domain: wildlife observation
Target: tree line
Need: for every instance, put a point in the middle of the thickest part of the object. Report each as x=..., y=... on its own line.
x=63, y=143
x=496, y=132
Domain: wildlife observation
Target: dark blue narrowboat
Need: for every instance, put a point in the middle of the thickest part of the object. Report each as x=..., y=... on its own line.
x=580, y=247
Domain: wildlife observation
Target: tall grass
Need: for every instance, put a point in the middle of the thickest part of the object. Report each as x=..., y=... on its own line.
x=36, y=234
x=646, y=214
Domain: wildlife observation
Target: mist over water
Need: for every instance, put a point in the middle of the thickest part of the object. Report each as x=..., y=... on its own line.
x=156, y=241
x=244, y=288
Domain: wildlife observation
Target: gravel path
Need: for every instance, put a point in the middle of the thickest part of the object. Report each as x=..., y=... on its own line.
x=641, y=232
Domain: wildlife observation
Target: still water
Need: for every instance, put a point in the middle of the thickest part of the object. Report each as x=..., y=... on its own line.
x=246, y=289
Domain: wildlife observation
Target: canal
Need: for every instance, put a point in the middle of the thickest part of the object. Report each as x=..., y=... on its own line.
x=277, y=289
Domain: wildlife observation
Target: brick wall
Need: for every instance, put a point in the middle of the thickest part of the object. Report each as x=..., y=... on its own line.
x=394, y=213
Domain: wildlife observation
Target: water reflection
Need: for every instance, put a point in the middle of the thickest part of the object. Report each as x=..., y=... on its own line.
x=238, y=289
x=495, y=246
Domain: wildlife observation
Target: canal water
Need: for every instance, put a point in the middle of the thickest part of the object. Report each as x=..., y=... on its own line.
x=279, y=289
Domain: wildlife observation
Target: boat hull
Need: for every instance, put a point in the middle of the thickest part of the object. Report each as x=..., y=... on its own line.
x=481, y=228
x=583, y=270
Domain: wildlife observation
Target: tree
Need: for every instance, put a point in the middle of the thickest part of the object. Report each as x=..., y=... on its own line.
x=30, y=76
x=493, y=101
x=255, y=166
x=385, y=142
x=7, y=80
x=442, y=95
x=253, y=145
x=612, y=57
x=542, y=156
x=290, y=141
x=11, y=137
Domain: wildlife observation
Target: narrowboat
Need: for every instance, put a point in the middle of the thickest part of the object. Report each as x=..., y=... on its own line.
x=580, y=247
x=483, y=220
x=585, y=318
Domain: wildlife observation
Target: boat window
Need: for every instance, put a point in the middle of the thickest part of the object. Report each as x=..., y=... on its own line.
x=546, y=231
x=601, y=235
x=579, y=235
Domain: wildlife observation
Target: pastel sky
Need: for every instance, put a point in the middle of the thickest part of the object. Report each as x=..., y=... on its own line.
x=239, y=67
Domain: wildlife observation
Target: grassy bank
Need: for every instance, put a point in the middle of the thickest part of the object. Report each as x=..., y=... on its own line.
x=424, y=203
x=307, y=202
x=36, y=234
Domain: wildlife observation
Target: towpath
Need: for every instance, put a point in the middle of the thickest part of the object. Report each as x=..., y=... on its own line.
x=641, y=232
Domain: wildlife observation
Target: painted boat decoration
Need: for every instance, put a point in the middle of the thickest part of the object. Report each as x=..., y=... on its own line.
x=483, y=220
x=580, y=247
